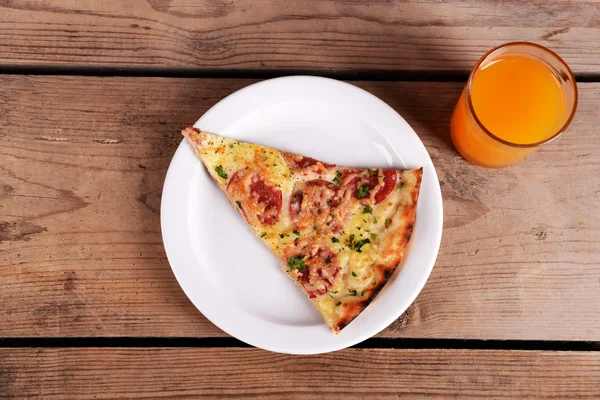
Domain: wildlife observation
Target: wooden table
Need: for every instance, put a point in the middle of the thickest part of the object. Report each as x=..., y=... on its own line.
x=92, y=97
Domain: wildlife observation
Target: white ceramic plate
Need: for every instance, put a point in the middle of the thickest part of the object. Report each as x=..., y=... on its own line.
x=229, y=275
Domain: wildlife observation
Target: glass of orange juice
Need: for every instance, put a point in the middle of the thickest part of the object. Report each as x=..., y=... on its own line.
x=519, y=96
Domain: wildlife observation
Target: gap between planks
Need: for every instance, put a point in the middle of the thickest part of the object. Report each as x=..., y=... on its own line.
x=230, y=342
x=264, y=73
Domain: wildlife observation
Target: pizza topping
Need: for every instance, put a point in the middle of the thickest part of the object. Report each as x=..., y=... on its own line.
x=357, y=244
x=296, y=202
x=238, y=176
x=297, y=263
x=368, y=210
x=327, y=190
x=335, y=240
x=262, y=200
x=338, y=178
x=374, y=184
x=312, y=202
x=363, y=191
x=300, y=163
x=318, y=270
x=220, y=172
x=389, y=181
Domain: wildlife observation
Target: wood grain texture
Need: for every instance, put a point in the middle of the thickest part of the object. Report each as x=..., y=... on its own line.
x=394, y=35
x=159, y=373
x=82, y=162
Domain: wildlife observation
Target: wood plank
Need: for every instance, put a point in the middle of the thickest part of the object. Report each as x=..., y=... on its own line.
x=107, y=373
x=392, y=35
x=83, y=159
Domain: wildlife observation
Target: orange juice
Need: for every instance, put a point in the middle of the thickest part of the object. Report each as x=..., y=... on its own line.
x=513, y=103
x=518, y=99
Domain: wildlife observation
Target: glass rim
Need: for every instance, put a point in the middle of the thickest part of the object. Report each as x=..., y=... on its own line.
x=551, y=53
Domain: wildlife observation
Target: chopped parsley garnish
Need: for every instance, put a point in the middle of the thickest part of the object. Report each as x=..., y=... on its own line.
x=329, y=202
x=354, y=274
x=352, y=292
x=297, y=263
x=388, y=222
x=238, y=204
x=220, y=172
x=401, y=185
x=374, y=220
x=338, y=178
x=328, y=223
x=319, y=211
x=330, y=295
x=231, y=145
x=351, y=241
x=363, y=191
x=295, y=232
x=357, y=245
x=338, y=303
x=367, y=210
x=264, y=234
x=362, y=293
x=373, y=236
x=328, y=260
x=334, y=292
x=281, y=235
x=335, y=240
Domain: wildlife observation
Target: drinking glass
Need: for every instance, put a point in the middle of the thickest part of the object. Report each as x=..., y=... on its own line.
x=519, y=97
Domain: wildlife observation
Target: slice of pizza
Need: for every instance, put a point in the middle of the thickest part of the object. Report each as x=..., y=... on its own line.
x=338, y=232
